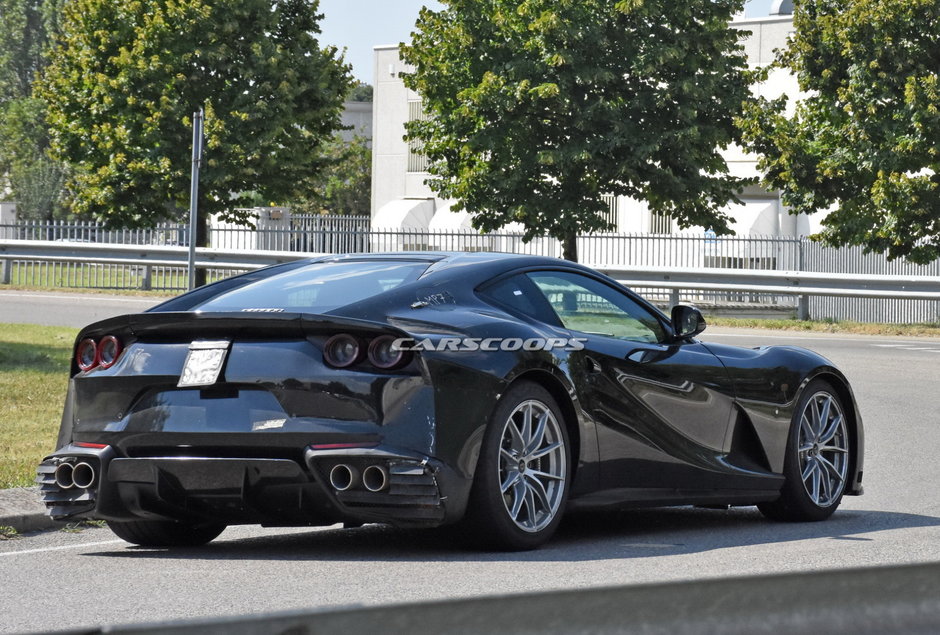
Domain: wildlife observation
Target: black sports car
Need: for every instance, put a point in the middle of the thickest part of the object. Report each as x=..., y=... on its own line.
x=422, y=389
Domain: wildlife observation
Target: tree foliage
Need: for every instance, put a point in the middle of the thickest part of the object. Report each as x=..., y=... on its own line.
x=344, y=187
x=24, y=34
x=34, y=180
x=360, y=91
x=863, y=140
x=126, y=77
x=537, y=108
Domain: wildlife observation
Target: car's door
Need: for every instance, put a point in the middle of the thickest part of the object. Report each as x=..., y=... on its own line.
x=662, y=406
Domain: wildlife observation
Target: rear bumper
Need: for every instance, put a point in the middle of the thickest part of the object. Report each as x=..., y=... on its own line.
x=418, y=491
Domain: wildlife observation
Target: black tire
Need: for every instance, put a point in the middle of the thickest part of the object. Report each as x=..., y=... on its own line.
x=165, y=533
x=816, y=467
x=538, y=473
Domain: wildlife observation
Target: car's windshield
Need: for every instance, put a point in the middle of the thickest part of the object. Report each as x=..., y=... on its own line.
x=318, y=288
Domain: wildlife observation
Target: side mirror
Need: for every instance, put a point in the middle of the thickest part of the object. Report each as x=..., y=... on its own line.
x=687, y=321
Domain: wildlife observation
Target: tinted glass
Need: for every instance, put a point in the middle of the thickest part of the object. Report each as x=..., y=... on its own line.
x=590, y=306
x=518, y=293
x=319, y=287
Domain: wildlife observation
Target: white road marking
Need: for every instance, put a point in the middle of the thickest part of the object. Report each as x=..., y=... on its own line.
x=62, y=548
x=907, y=347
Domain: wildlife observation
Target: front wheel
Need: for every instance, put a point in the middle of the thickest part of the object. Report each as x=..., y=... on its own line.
x=522, y=479
x=165, y=533
x=817, y=460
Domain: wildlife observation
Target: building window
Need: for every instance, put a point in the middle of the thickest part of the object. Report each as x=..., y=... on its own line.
x=417, y=161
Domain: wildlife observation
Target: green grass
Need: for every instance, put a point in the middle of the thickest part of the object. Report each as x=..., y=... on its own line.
x=8, y=533
x=137, y=293
x=34, y=368
x=829, y=326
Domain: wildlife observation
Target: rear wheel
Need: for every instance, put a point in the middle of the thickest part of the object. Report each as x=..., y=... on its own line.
x=817, y=459
x=522, y=479
x=165, y=533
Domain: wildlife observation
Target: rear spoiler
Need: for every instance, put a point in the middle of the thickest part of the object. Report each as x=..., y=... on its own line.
x=242, y=324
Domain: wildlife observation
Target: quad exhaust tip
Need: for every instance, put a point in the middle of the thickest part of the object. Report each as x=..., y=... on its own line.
x=344, y=477
x=80, y=475
x=375, y=478
x=83, y=475
x=63, y=475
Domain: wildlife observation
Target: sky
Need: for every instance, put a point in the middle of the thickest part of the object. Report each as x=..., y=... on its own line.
x=359, y=25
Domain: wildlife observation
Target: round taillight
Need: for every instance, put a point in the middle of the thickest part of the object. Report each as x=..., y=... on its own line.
x=385, y=355
x=109, y=349
x=342, y=351
x=86, y=355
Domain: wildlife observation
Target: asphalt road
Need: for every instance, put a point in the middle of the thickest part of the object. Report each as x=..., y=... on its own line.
x=53, y=308
x=66, y=580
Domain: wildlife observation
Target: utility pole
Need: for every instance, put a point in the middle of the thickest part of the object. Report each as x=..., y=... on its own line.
x=194, y=196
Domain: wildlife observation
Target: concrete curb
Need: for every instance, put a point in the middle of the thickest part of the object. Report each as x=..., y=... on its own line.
x=21, y=509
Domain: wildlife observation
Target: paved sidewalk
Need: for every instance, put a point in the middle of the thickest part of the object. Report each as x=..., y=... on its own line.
x=21, y=509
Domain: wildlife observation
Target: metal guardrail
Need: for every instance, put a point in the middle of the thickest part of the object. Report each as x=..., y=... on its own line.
x=798, y=283
x=898, y=599
x=158, y=255
x=146, y=256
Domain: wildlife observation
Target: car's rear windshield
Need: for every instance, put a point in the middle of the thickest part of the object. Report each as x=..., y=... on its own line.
x=318, y=288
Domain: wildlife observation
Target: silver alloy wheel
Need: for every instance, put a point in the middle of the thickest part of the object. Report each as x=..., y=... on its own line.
x=823, y=449
x=532, y=465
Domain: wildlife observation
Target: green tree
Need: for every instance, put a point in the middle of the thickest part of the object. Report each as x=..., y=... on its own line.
x=345, y=185
x=23, y=39
x=863, y=139
x=537, y=108
x=34, y=180
x=126, y=77
x=360, y=92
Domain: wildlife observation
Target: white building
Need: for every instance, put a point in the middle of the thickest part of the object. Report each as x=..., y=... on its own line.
x=357, y=116
x=401, y=199
x=7, y=213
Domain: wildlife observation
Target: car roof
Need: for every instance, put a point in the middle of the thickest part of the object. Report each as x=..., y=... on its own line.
x=470, y=267
x=492, y=262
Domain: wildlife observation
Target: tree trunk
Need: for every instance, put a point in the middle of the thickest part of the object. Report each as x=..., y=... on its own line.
x=569, y=246
x=202, y=240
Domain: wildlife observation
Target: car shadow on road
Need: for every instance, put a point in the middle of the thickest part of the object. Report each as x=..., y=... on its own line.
x=586, y=536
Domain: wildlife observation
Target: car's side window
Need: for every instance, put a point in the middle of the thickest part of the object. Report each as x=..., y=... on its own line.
x=590, y=306
x=518, y=293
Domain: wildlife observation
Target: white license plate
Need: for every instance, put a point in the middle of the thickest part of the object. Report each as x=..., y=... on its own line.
x=203, y=363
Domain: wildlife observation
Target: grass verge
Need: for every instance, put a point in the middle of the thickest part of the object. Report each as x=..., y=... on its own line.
x=829, y=326
x=122, y=292
x=34, y=368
